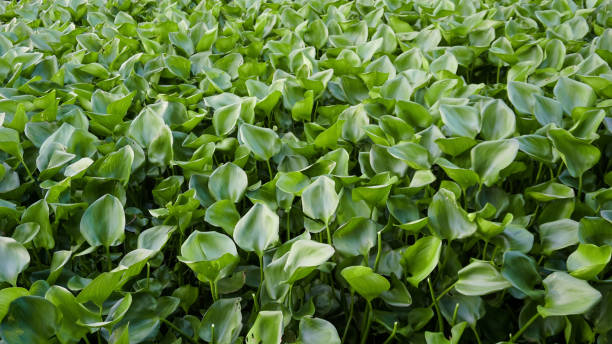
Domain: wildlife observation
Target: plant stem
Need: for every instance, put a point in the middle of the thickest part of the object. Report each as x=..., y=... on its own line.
x=261, y=275
x=484, y=250
x=435, y=303
x=392, y=335
x=269, y=169
x=181, y=332
x=455, y=314
x=213, y=290
x=255, y=303
x=476, y=334
x=367, y=322
x=350, y=317
x=444, y=292
x=108, y=259
x=290, y=299
x=27, y=169
x=580, y=187
x=288, y=213
x=559, y=170
x=148, y=273
x=539, y=172
x=525, y=327
x=379, y=250
x=260, y=269
x=329, y=239
x=498, y=70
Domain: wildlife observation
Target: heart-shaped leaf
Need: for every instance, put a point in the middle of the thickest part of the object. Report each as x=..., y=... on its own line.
x=480, y=278
x=421, y=258
x=15, y=260
x=103, y=222
x=210, y=255
x=567, y=295
x=365, y=282
x=257, y=230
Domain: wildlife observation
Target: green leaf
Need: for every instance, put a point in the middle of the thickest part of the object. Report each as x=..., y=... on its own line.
x=210, y=255
x=155, y=238
x=292, y=182
x=15, y=260
x=414, y=155
x=548, y=110
x=355, y=237
x=263, y=142
x=103, y=222
x=461, y=120
x=59, y=260
x=521, y=270
x=463, y=176
x=320, y=200
x=100, y=288
x=73, y=314
x=536, y=146
x=549, y=191
x=267, y=329
x=365, y=282
x=558, y=234
x=7, y=295
x=257, y=230
x=223, y=214
x=491, y=157
x=30, y=319
x=303, y=257
x=448, y=220
x=187, y=294
x=588, y=260
x=10, y=143
x=302, y=109
x=228, y=181
x=595, y=230
x=577, y=155
x=523, y=96
x=316, y=330
x=222, y=322
x=38, y=213
x=469, y=308
x=225, y=118
x=567, y=295
x=498, y=121
x=480, y=278
x=572, y=94
x=421, y=258
x=398, y=295
x=116, y=165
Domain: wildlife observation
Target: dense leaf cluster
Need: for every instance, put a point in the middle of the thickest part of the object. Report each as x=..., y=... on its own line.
x=254, y=171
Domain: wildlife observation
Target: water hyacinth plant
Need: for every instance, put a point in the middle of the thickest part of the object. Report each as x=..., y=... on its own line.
x=293, y=171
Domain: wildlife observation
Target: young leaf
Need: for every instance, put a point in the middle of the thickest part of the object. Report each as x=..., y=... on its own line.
x=480, y=278
x=103, y=222
x=448, y=220
x=267, y=329
x=489, y=158
x=567, y=295
x=421, y=258
x=15, y=260
x=320, y=200
x=257, y=230
x=365, y=282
